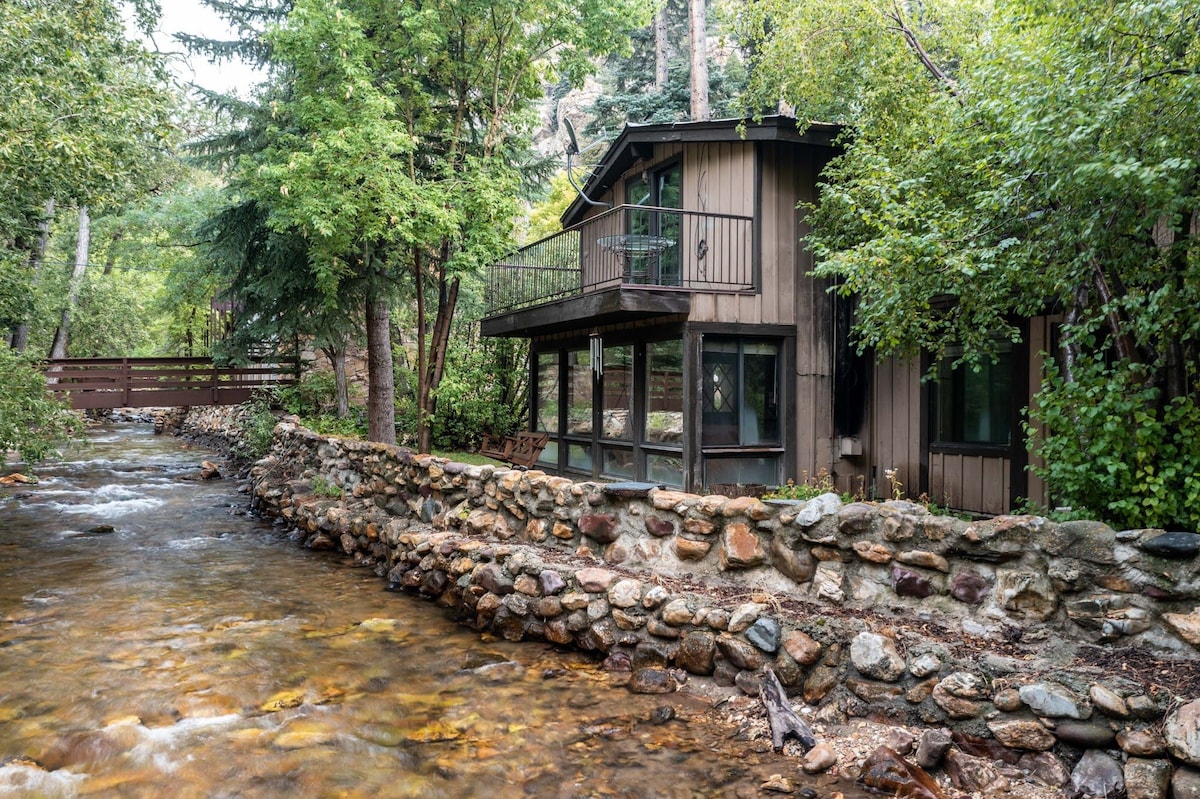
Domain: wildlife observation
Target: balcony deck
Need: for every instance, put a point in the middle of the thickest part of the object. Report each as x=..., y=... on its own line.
x=627, y=262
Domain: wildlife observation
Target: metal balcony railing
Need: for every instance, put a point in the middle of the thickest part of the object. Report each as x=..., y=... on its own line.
x=633, y=246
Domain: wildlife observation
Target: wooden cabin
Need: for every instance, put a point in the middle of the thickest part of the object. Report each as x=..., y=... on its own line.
x=677, y=336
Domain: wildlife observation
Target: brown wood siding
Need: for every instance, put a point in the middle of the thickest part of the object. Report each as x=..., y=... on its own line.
x=894, y=427
x=802, y=300
x=1041, y=340
x=974, y=483
x=721, y=178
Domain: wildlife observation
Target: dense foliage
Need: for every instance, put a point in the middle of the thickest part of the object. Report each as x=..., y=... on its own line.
x=631, y=93
x=31, y=423
x=85, y=123
x=1011, y=161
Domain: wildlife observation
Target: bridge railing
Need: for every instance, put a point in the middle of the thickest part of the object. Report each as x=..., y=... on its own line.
x=159, y=382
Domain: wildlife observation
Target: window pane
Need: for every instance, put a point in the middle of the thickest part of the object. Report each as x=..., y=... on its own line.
x=668, y=187
x=974, y=406
x=618, y=463
x=760, y=395
x=720, y=375
x=618, y=392
x=664, y=392
x=579, y=456
x=579, y=393
x=665, y=469
x=764, y=470
x=637, y=193
x=549, y=456
x=547, y=392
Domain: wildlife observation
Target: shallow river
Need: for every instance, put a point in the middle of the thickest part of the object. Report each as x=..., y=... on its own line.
x=155, y=641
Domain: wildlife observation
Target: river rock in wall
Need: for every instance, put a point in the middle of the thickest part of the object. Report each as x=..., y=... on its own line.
x=1097, y=774
x=887, y=772
x=875, y=656
x=1173, y=545
x=1182, y=732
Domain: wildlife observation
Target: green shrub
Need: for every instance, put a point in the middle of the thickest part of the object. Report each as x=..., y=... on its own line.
x=31, y=422
x=323, y=487
x=258, y=430
x=314, y=394
x=1112, y=449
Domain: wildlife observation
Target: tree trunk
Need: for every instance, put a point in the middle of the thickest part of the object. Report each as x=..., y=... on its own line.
x=381, y=381
x=59, y=348
x=698, y=28
x=436, y=363
x=337, y=358
x=20, y=338
x=662, y=49
x=1123, y=342
x=110, y=259
x=424, y=428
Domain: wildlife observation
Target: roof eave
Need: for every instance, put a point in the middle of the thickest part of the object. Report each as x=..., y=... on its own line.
x=621, y=154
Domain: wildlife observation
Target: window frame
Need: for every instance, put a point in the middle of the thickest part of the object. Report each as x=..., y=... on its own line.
x=935, y=395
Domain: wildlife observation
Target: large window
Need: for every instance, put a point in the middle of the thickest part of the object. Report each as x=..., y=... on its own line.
x=580, y=416
x=974, y=406
x=741, y=392
x=741, y=409
x=613, y=409
x=546, y=404
x=663, y=409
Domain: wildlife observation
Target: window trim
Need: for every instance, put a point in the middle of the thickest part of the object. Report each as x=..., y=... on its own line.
x=983, y=448
x=780, y=408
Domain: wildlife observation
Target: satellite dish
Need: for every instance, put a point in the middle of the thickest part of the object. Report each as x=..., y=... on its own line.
x=573, y=149
x=572, y=141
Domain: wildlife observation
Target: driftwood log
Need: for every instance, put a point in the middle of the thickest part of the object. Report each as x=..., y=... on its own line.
x=783, y=719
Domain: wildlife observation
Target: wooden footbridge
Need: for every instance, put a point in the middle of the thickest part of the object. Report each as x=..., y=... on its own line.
x=159, y=382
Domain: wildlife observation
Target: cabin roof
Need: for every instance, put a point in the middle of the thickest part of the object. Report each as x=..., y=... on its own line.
x=636, y=142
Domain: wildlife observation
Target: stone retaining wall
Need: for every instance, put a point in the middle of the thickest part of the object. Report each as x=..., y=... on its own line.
x=1034, y=641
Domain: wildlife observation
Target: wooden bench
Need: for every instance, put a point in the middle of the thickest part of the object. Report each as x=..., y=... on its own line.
x=520, y=449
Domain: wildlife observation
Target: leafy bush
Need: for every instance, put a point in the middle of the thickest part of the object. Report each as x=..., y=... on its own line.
x=314, y=399
x=31, y=422
x=483, y=391
x=808, y=488
x=323, y=487
x=314, y=394
x=354, y=426
x=812, y=486
x=1113, y=449
x=258, y=429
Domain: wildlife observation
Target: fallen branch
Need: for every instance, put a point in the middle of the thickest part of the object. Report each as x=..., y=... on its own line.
x=783, y=719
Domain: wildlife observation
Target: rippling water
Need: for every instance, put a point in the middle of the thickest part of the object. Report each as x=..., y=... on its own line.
x=155, y=641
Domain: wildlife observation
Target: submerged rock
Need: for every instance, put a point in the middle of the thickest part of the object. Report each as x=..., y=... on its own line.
x=652, y=681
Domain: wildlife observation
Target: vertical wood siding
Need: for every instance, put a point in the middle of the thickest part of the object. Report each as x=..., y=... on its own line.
x=970, y=482
x=894, y=426
x=1040, y=340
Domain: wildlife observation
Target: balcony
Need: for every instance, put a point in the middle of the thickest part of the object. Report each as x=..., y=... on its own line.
x=634, y=248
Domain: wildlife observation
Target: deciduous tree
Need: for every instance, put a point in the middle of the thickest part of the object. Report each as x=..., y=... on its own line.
x=1006, y=162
